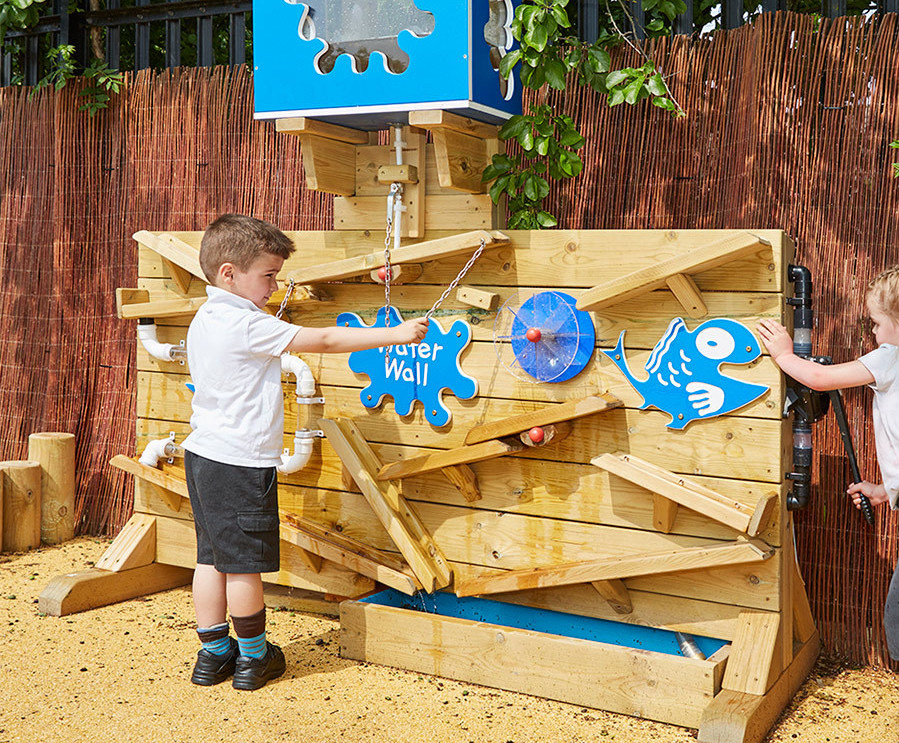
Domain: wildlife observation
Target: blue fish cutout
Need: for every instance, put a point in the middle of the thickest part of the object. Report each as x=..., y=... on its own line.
x=684, y=377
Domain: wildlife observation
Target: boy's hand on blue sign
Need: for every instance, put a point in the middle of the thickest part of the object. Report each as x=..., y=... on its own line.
x=411, y=331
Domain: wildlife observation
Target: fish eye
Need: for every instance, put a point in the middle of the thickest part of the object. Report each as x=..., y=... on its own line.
x=715, y=343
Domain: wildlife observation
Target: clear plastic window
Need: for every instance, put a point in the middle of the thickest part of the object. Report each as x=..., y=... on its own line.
x=360, y=27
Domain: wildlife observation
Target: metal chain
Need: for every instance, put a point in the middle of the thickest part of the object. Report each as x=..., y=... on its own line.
x=391, y=203
x=455, y=282
x=290, y=285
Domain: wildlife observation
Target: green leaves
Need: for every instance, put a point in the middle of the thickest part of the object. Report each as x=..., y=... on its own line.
x=549, y=56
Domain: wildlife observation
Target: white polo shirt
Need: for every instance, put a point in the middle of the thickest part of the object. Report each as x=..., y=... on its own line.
x=883, y=363
x=233, y=350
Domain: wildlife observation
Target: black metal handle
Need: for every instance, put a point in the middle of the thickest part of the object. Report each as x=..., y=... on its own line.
x=836, y=402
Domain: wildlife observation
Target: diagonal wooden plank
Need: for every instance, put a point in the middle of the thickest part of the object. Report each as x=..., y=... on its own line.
x=448, y=458
x=348, y=552
x=173, y=249
x=611, y=568
x=543, y=417
x=429, y=250
x=175, y=487
x=655, y=277
x=402, y=523
x=689, y=494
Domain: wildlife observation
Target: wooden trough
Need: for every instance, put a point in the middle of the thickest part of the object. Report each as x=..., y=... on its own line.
x=615, y=517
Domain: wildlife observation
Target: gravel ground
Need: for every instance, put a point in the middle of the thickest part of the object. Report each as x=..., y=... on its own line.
x=120, y=673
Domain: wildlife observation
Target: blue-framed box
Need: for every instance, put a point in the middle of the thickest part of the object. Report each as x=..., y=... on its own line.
x=313, y=59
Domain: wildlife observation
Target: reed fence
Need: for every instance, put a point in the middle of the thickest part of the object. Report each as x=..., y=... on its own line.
x=789, y=125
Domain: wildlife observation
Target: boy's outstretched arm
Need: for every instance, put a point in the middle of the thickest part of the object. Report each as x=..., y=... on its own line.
x=817, y=376
x=346, y=340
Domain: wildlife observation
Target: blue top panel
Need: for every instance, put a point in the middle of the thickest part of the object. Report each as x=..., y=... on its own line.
x=543, y=620
x=291, y=59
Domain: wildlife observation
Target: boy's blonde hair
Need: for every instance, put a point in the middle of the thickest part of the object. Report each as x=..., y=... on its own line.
x=883, y=291
x=238, y=239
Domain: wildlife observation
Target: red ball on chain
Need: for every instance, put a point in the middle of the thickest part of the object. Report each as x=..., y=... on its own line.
x=382, y=273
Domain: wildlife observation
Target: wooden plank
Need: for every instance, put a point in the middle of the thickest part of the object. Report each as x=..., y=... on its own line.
x=134, y=545
x=449, y=458
x=299, y=599
x=398, y=174
x=163, y=308
x=738, y=717
x=753, y=665
x=687, y=293
x=445, y=212
x=461, y=160
x=518, y=486
x=439, y=119
x=615, y=592
x=401, y=522
x=301, y=125
x=477, y=297
x=125, y=296
x=690, y=558
x=176, y=544
x=175, y=485
x=644, y=280
x=681, y=490
x=174, y=249
x=416, y=218
x=543, y=417
x=636, y=682
x=89, y=589
x=704, y=603
x=330, y=165
x=543, y=258
x=427, y=251
x=348, y=552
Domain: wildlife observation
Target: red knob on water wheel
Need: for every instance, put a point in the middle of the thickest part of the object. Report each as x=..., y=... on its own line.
x=382, y=273
x=536, y=434
x=533, y=335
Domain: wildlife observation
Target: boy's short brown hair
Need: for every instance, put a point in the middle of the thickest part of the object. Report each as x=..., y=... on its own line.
x=883, y=291
x=239, y=239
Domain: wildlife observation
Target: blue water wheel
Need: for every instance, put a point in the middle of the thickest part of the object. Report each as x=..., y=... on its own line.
x=542, y=336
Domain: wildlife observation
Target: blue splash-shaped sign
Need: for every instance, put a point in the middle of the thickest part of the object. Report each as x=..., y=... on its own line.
x=684, y=377
x=414, y=372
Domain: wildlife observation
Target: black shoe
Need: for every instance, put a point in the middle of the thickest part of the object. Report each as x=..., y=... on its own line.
x=212, y=668
x=254, y=673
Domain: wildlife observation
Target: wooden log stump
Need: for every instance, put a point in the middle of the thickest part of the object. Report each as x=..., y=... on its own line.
x=21, y=505
x=56, y=454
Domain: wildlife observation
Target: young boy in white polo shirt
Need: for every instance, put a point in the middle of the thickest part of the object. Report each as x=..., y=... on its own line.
x=233, y=350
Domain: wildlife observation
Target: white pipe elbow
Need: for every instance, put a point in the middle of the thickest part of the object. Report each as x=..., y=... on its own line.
x=291, y=364
x=154, y=451
x=302, y=451
x=146, y=333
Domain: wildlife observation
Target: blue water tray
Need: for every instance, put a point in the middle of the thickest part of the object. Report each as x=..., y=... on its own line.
x=543, y=620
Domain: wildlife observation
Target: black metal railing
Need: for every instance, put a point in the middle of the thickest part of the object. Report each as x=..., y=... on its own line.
x=133, y=35
x=138, y=34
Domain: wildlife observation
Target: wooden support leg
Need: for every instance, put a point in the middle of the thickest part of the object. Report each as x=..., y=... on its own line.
x=737, y=717
x=755, y=656
x=88, y=589
x=134, y=546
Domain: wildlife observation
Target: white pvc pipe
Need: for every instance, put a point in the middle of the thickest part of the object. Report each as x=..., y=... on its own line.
x=291, y=364
x=160, y=449
x=162, y=351
x=302, y=450
x=302, y=441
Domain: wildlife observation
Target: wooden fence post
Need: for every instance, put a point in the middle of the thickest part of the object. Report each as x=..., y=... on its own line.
x=56, y=454
x=21, y=505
